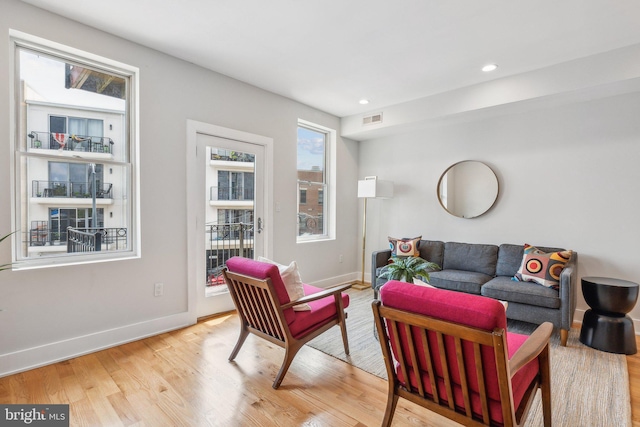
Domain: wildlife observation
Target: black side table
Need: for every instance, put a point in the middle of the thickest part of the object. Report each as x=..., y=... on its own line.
x=606, y=326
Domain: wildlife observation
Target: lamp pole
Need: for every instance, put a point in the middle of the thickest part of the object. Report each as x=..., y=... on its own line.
x=364, y=240
x=370, y=187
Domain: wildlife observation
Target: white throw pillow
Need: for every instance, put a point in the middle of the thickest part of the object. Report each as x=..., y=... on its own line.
x=292, y=282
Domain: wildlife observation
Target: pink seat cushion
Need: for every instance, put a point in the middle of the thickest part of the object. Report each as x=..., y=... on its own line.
x=300, y=322
x=263, y=270
x=322, y=311
x=469, y=310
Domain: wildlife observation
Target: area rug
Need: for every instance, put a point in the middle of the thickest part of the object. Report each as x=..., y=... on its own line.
x=589, y=387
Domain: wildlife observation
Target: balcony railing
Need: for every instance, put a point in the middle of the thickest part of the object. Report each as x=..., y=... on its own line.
x=83, y=241
x=111, y=239
x=41, y=235
x=223, y=242
x=232, y=156
x=70, y=142
x=69, y=189
x=238, y=192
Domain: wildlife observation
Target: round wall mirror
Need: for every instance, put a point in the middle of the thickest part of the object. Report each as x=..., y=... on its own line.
x=468, y=189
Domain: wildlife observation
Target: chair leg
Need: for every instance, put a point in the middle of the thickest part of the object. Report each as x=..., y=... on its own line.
x=289, y=354
x=545, y=385
x=392, y=401
x=345, y=340
x=564, y=335
x=244, y=333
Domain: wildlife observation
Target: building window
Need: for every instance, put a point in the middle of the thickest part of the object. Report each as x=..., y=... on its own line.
x=235, y=185
x=81, y=129
x=315, y=146
x=76, y=155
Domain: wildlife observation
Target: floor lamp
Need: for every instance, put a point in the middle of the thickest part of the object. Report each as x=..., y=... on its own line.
x=370, y=188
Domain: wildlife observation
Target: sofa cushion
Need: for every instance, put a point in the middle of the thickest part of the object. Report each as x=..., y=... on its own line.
x=470, y=257
x=541, y=267
x=503, y=288
x=459, y=280
x=405, y=246
x=432, y=251
x=509, y=259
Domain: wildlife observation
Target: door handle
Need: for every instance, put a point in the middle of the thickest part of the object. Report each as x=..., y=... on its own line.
x=259, y=225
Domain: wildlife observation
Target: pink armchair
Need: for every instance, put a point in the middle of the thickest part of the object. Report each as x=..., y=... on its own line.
x=450, y=353
x=265, y=310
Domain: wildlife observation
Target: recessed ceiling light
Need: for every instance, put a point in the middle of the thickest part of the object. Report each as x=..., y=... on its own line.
x=363, y=101
x=489, y=67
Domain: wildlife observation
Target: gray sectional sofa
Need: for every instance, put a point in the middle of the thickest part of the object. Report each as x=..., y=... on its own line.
x=487, y=270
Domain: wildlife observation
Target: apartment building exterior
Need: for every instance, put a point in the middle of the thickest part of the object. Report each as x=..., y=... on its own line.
x=70, y=182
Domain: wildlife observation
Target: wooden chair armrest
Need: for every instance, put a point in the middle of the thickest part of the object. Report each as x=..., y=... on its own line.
x=318, y=295
x=531, y=348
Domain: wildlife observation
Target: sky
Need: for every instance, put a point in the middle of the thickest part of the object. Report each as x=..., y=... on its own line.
x=311, y=146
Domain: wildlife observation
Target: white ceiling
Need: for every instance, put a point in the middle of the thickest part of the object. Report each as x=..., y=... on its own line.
x=330, y=53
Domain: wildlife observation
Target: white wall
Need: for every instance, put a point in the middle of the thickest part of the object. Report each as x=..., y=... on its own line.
x=54, y=313
x=569, y=177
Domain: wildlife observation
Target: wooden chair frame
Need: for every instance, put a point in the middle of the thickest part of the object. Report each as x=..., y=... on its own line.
x=536, y=346
x=261, y=314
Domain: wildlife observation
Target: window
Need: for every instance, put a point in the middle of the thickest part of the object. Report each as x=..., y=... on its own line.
x=76, y=165
x=235, y=185
x=81, y=129
x=315, y=176
x=62, y=218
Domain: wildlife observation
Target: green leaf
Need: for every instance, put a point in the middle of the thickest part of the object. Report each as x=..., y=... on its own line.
x=4, y=237
x=407, y=268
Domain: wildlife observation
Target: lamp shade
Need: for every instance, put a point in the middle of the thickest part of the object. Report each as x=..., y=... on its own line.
x=371, y=187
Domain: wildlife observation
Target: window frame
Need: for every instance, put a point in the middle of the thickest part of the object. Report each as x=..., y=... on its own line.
x=328, y=187
x=20, y=154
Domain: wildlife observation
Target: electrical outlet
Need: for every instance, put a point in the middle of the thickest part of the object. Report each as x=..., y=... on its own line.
x=158, y=289
x=340, y=258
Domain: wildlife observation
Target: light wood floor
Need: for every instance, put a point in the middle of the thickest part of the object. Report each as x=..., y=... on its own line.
x=183, y=378
x=633, y=366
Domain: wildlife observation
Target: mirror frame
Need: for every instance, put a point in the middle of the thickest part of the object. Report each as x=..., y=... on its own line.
x=495, y=199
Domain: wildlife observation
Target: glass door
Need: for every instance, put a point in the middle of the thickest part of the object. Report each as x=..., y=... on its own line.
x=230, y=172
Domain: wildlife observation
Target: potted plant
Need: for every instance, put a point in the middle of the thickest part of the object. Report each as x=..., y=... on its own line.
x=407, y=268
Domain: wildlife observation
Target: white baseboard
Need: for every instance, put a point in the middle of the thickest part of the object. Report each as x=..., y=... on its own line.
x=24, y=360
x=333, y=281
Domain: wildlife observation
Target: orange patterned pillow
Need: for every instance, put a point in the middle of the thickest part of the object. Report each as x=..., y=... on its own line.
x=405, y=247
x=541, y=267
